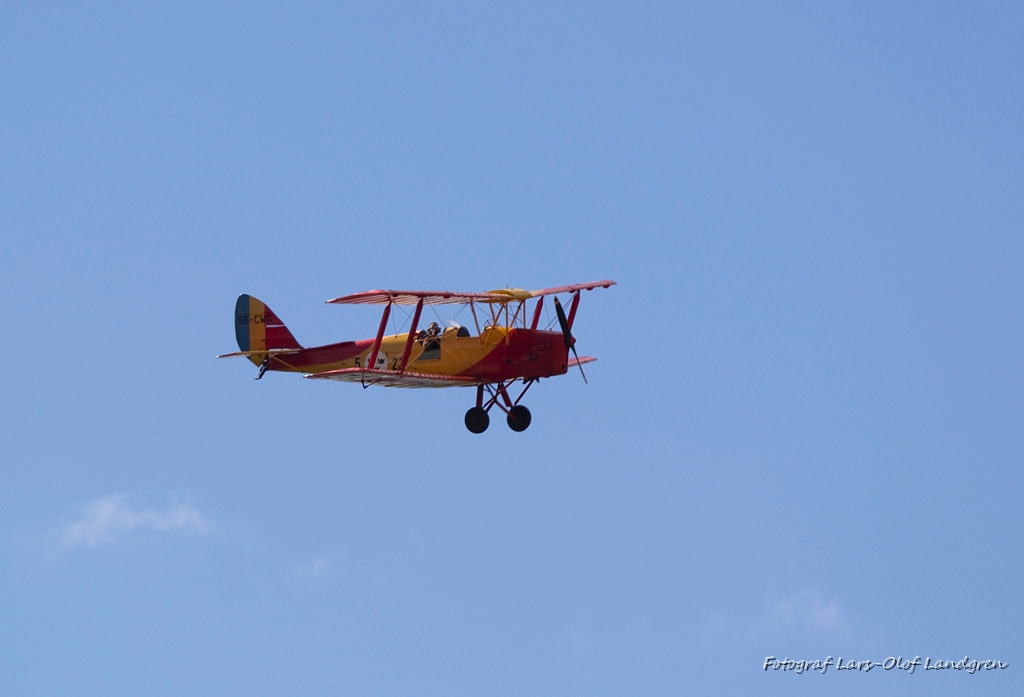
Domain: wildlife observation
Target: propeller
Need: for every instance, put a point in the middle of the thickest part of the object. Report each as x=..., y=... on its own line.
x=570, y=343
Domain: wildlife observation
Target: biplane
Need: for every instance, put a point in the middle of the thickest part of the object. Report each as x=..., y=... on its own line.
x=508, y=346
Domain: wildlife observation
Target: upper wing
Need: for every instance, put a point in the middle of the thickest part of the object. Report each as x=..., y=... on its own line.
x=411, y=297
x=444, y=297
x=393, y=378
x=572, y=288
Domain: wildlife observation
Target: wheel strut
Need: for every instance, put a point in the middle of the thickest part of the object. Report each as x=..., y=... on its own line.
x=517, y=416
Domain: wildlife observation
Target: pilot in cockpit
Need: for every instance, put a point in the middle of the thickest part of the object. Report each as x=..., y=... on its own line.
x=433, y=331
x=431, y=338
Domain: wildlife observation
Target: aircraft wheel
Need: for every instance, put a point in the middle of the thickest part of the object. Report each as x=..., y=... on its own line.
x=519, y=418
x=477, y=420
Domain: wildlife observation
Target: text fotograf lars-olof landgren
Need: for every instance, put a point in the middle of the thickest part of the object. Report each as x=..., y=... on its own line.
x=967, y=664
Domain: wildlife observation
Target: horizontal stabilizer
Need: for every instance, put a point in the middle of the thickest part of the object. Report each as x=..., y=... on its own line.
x=267, y=352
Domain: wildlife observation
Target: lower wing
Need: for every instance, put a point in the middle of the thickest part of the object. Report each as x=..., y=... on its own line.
x=393, y=378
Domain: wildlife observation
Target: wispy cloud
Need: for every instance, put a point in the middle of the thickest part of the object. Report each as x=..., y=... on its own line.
x=317, y=568
x=806, y=610
x=108, y=519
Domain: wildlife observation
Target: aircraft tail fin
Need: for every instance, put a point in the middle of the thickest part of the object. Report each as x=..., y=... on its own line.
x=257, y=328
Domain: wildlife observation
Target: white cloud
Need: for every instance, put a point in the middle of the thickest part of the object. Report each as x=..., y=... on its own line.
x=109, y=518
x=807, y=610
x=317, y=568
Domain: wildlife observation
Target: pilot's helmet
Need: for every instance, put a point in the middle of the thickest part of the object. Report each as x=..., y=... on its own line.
x=433, y=325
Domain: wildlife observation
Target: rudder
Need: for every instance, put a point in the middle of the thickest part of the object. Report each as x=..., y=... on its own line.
x=258, y=329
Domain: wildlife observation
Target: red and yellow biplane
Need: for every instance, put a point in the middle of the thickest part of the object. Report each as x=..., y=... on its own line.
x=506, y=348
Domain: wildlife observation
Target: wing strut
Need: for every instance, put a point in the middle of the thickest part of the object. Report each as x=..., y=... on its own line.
x=573, y=307
x=372, y=359
x=412, y=336
x=536, y=313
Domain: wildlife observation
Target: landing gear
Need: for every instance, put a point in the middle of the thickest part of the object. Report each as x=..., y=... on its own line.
x=518, y=418
x=263, y=367
x=477, y=420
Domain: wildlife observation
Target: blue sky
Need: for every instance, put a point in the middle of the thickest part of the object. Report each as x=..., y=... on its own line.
x=802, y=437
